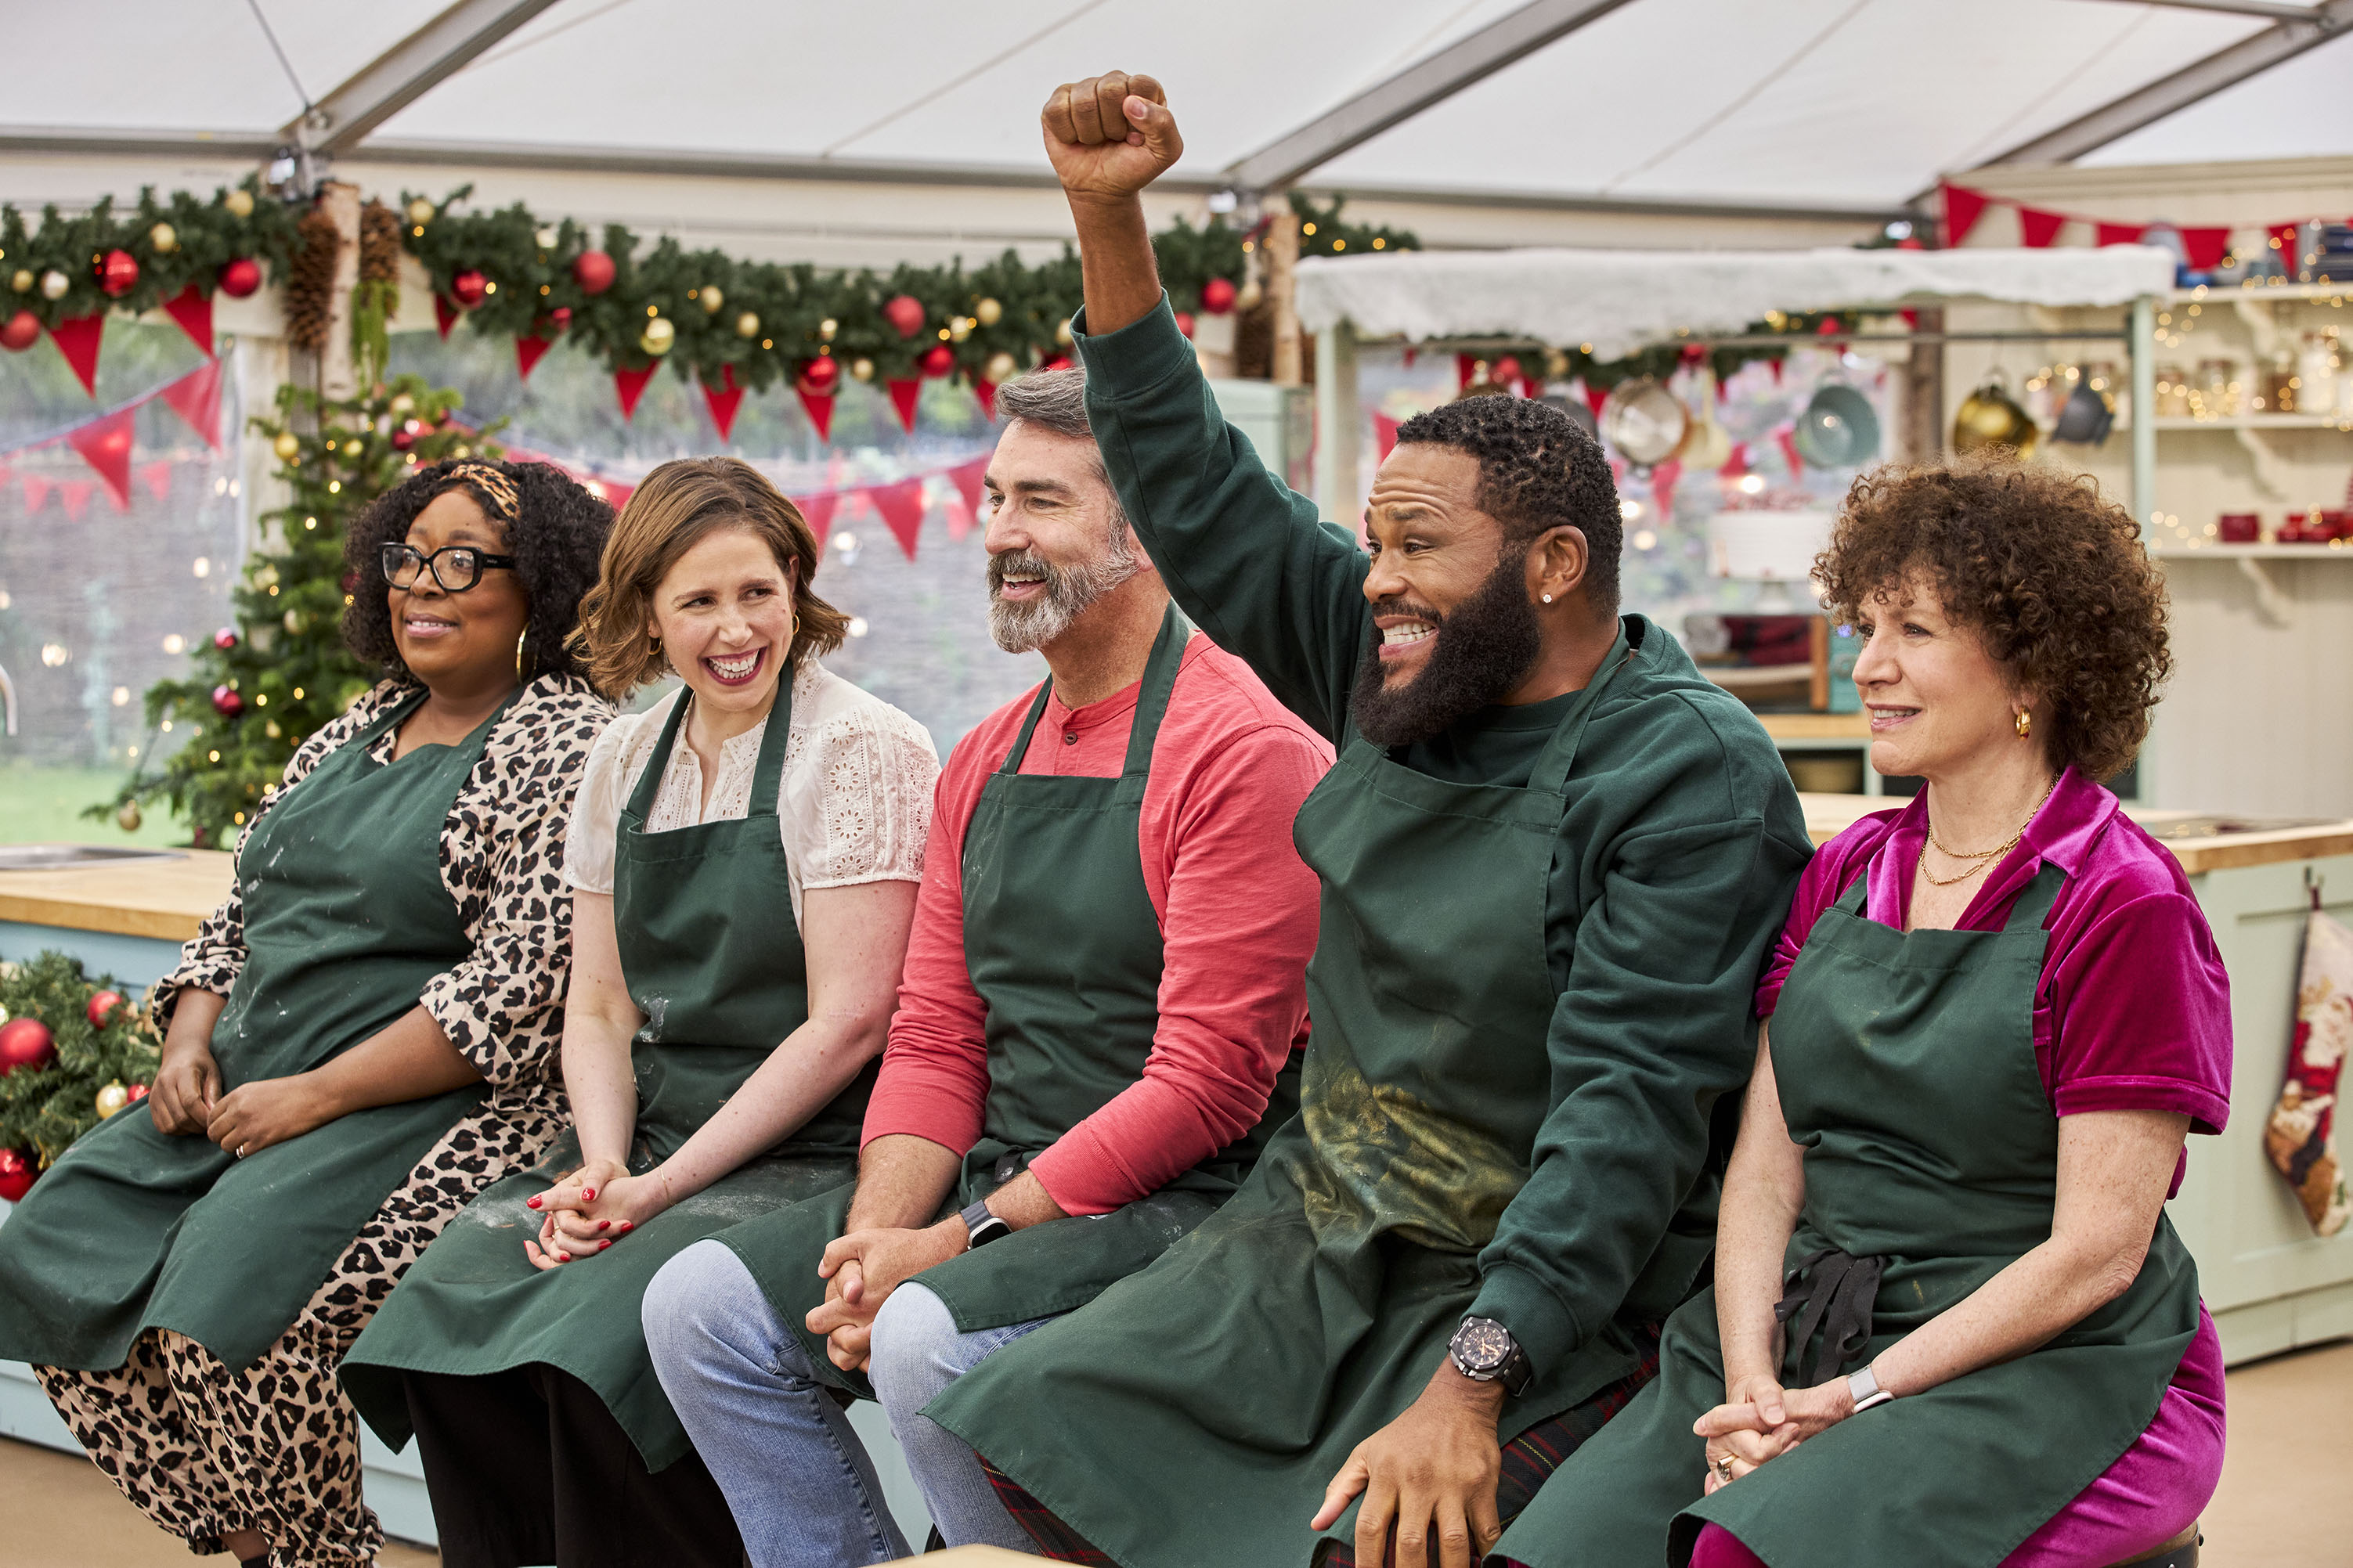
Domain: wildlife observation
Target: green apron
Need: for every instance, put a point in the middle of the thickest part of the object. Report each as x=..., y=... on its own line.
x=1196, y=1412
x=1906, y=1065
x=1064, y=949
x=713, y=960
x=346, y=920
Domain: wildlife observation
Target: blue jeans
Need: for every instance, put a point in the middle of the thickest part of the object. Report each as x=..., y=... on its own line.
x=799, y=1482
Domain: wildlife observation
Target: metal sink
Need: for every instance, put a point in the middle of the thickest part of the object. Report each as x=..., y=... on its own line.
x=64, y=856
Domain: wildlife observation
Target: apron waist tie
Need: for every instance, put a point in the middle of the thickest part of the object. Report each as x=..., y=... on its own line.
x=1833, y=1291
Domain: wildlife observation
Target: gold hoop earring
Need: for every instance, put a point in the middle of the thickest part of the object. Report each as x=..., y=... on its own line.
x=518, y=642
x=2025, y=723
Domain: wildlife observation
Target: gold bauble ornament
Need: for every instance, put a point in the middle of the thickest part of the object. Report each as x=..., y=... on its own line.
x=22, y=281
x=288, y=447
x=293, y=623
x=547, y=239
x=164, y=238
x=862, y=369
x=826, y=329
x=111, y=1099
x=1001, y=368
x=127, y=818
x=271, y=730
x=421, y=212
x=1252, y=294
x=402, y=407
x=988, y=312
x=959, y=328
x=1063, y=332
x=54, y=284
x=1556, y=365
x=711, y=298
x=747, y=325
x=238, y=204
x=659, y=337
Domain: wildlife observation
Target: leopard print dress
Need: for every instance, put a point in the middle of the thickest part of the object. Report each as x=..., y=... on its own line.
x=205, y=1449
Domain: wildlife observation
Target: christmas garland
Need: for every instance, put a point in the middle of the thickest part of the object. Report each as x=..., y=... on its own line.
x=73, y=1051
x=70, y=268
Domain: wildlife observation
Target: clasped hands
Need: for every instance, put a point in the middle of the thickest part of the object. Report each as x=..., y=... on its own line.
x=861, y=1269
x=186, y=1100
x=589, y=1210
x=1760, y=1421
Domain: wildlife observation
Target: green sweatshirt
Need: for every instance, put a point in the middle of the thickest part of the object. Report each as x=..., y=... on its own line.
x=1672, y=872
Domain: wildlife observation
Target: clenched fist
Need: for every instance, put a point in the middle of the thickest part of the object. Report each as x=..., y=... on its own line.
x=1110, y=136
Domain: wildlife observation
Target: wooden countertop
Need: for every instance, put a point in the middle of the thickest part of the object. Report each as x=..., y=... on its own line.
x=1827, y=815
x=161, y=898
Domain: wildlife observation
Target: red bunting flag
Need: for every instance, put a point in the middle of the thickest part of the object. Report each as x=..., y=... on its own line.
x=527, y=351
x=157, y=478
x=971, y=482
x=78, y=341
x=2038, y=227
x=1963, y=208
x=193, y=308
x=75, y=494
x=1465, y=366
x=905, y=395
x=445, y=314
x=1385, y=431
x=105, y=446
x=727, y=400
x=2286, y=238
x=1595, y=396
x=37, y=493
x=2206, y=247
x=1735, y=465
x=816, y=510
x=1664, y=480
x=986, y=392
x=631, y=385
x=195, y=397
x=1786, y=436
x=2120, y=233
x=901, y=506
x=819, y=406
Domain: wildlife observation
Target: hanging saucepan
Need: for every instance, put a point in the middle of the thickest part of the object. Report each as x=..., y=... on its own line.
x=1839, y=430
x=1706, y=447
x=1990, y=417
x=1643, y=421
x=2088, y=416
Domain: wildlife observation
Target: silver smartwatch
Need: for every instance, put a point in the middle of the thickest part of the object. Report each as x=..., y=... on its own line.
x=1863, y=1388
x=981, y=1227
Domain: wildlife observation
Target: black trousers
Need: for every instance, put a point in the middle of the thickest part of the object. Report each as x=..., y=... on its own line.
x=528, y=1467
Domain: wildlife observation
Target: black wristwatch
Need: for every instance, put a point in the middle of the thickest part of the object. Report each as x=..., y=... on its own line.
x=981, y=1227
x=1483, y=1351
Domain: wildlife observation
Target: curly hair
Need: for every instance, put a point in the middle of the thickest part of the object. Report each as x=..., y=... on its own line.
x=555, y=536
x=1538, y=470
x=675, y=508
x=2050, y=575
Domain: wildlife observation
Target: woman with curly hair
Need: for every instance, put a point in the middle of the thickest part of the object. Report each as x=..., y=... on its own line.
x=743, y=858
x=1950, y=1323
x=361, y=1038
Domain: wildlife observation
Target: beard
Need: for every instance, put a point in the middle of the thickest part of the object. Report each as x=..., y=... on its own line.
x=1070, y=591
x=1485, y=648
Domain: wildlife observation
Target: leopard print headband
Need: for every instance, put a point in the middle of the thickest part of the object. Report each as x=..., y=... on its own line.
x=490, y=483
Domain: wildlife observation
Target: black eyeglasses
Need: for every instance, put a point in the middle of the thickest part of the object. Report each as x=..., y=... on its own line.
x=457, y=567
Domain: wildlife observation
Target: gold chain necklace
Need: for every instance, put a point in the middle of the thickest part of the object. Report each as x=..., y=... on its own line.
x=1983, y=858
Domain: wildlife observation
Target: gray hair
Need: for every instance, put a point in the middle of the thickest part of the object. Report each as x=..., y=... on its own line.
x=1056, y=400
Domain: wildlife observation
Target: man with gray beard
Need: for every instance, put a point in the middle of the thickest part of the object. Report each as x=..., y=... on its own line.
x=1100, y=1017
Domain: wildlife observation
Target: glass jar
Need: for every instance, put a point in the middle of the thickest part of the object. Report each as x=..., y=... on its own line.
x=2315, y=375
x=2276, y=386
x=2172, y=392
x=2218, y=391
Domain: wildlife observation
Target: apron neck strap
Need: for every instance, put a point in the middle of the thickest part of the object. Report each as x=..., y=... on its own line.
x=1151, y=701
x=2033, y=905
x=767, y=775
x=1551, y=772
x=391, y=718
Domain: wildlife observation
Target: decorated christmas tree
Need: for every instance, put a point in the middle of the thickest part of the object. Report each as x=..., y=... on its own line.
x=72, y=1053
x=261, y=687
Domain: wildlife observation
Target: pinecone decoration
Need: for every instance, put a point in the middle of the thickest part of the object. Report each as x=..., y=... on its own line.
x=310, y=282
x=379, y=245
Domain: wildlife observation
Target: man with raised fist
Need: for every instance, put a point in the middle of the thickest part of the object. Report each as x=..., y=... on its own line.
x=1551, y=858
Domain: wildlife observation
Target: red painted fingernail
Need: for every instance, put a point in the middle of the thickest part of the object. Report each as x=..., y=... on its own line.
x=531, y=1203
x=589, y=1195
x=604, y=1224
x=629, y=1224
x=603, y=1245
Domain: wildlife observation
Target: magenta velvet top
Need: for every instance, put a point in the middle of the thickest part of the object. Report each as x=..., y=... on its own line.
x=2132, y=1011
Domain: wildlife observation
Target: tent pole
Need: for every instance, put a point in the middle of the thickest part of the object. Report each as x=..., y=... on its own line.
x=1337, y=420
x=2144, y=411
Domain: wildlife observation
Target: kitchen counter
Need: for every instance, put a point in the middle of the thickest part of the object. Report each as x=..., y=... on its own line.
x=2201, y=841
x=165, y=899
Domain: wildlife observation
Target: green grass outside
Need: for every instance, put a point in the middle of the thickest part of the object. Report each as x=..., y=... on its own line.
x=44, y=805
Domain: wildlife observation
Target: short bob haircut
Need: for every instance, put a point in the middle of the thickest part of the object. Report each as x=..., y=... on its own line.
x=2048, y=573
x=678, y=505
x=555, y=538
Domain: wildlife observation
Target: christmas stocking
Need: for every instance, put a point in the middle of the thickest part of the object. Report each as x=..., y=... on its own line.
x=2300, y=1135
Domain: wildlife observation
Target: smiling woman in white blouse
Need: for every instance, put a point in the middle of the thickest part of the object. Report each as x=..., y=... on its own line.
x=744, y=857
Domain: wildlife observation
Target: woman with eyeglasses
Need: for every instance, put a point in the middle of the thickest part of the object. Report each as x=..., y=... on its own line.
x=361, y=1038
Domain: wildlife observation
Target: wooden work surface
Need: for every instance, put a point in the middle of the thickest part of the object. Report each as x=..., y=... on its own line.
x=163, y=898
x=1828, y=814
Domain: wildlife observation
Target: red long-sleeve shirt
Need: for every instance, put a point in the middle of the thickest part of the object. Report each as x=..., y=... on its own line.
x=1238, y=918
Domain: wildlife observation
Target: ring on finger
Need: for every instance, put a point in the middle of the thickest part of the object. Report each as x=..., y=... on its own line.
x=241, y=1149
x=1722, y=1465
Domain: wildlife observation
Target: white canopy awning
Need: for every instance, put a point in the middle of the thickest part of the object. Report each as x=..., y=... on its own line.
x=1621, y=300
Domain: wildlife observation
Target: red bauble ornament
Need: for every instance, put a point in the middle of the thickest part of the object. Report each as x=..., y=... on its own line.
x=118, y=273
x=559, y=318
x=240, y=277
x=20, y=331
x=404, y=438
x=16, y=1173
x=593, y=271
x=138, y=1092
x=937, y=360
x=1217, y=296
x=1506, y=371
x=225, y=638
x=821, y=377
x=1060, y=361
x=227, y=703
x=103, y=1004
x=906, y=313
x=26, y=1043
x=1184, y=322
x=469, y=288
x=351, y=581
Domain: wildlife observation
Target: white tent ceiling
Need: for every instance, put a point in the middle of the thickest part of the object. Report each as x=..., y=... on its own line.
x=1856, y=104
